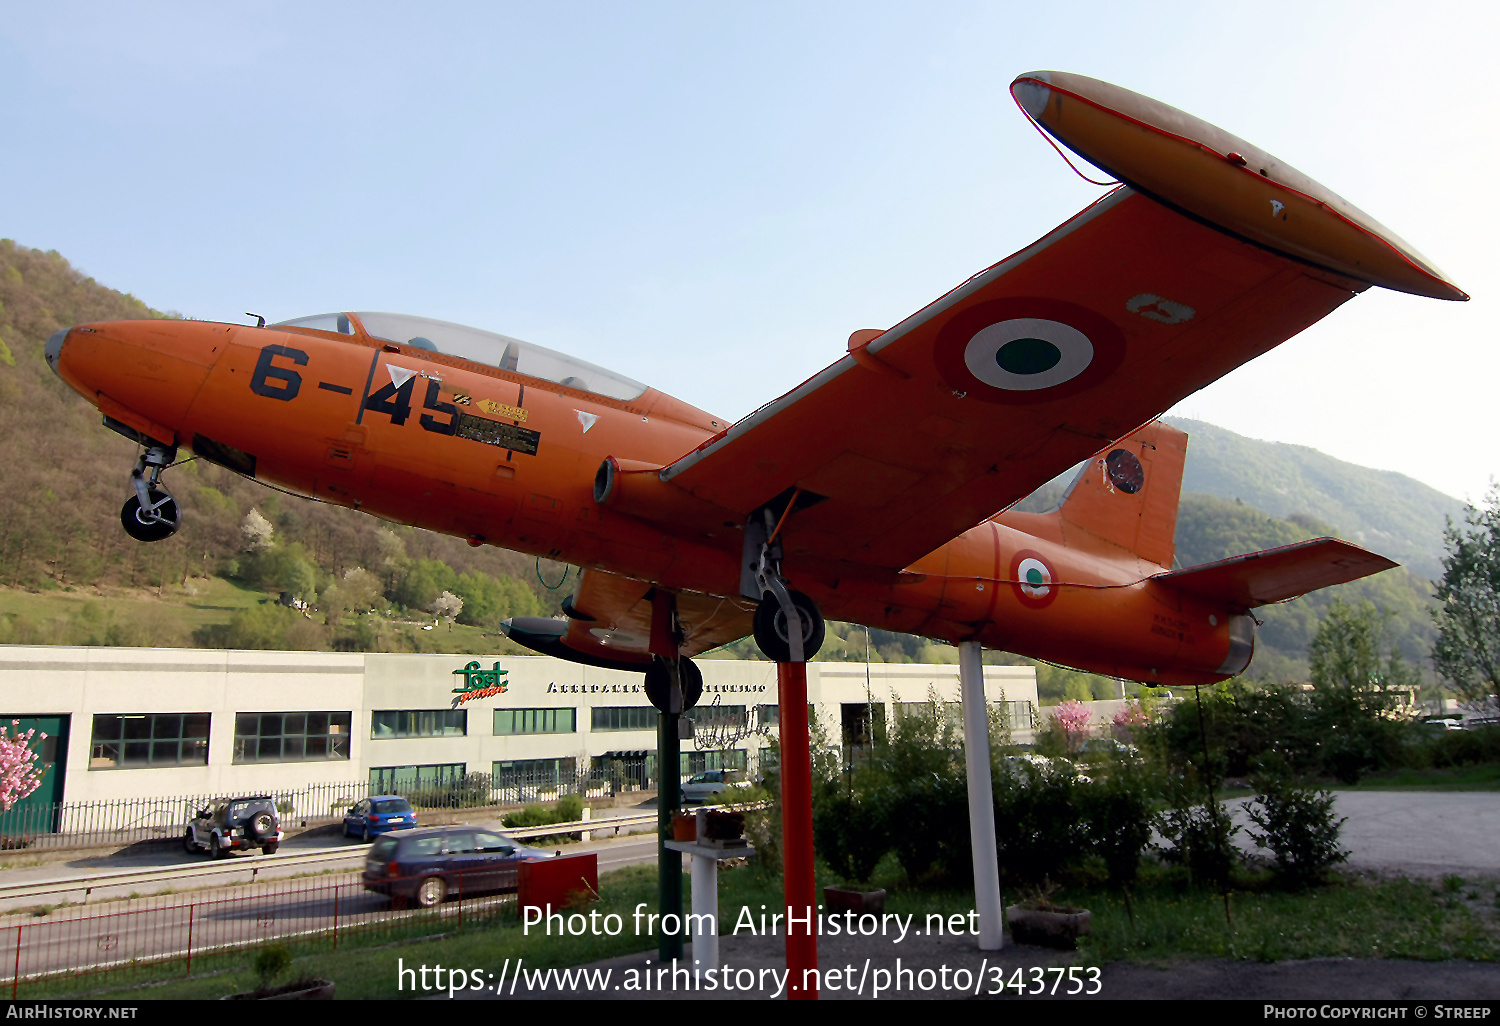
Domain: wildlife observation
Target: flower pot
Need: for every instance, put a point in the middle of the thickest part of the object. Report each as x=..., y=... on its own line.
x=1047, y=928
x=684, y=826
x=301, y=990
x=844, y=899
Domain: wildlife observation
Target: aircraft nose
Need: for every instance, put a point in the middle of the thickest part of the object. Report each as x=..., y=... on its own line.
x=54, y=348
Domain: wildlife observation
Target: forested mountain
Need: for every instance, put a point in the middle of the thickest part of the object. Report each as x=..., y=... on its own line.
x=66, y=476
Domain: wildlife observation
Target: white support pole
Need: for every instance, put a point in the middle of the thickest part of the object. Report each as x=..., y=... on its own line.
x=705, y=887
x=981, y=798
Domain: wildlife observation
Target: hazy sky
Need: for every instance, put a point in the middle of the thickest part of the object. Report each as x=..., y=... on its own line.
x=711, y=197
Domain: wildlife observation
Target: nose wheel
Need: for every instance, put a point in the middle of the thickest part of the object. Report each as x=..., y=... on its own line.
x=789, y=628
x=151, y=514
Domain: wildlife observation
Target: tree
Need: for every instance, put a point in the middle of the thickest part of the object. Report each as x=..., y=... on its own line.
x=1467, y=651
x=19, y=775
x=447, y=605
x=256, y=531
x=1357, y=677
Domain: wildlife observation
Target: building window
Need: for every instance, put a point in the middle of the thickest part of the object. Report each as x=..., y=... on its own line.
x=624, y=717
x=951, y=713
x=1015, y=715
x=406, y=779
x=536, y=721
x=535, y=772
x=140, y=740
x=734, y=717
x=291, y=737
x=768, y=715
x=696, y=762
x=390, y=723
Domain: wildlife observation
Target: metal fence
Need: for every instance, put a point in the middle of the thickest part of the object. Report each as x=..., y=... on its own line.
x=123, y=821
x=166, y=937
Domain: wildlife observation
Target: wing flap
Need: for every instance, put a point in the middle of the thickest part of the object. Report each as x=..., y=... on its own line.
x=1275, y=575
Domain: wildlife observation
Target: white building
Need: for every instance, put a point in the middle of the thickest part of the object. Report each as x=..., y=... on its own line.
x=133, y=723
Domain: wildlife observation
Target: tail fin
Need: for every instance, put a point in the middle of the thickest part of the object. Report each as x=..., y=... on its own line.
x=1128, y=495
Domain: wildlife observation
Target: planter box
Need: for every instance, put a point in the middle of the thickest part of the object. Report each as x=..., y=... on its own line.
x=684, y=826
x=842, y=899
x=1046, y=928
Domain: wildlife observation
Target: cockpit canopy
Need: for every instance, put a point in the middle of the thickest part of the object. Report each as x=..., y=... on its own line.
x=485, y=347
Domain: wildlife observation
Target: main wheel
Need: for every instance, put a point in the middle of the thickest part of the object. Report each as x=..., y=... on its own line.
x=431, y=892
x=155, y=525
x=773, y=636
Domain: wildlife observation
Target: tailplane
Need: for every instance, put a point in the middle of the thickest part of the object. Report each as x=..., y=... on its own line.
x=1127, y=495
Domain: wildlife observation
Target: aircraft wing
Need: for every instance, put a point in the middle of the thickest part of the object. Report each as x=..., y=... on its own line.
x=1275, y=575
x=610, y=623
x=1022, y=371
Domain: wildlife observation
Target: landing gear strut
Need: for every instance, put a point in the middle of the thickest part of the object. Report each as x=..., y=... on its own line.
x=788, y=626
x=151, y=514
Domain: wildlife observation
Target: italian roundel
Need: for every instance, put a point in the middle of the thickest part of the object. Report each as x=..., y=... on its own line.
x=1018, y=351
x=1031, y=578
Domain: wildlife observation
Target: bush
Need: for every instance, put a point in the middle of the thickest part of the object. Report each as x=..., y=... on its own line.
x=1299, y=829
x=1464, y=747
x=1199, y=837
x=1039, y=826
x=849, y=830
x=1119, y=816
x=569, y=809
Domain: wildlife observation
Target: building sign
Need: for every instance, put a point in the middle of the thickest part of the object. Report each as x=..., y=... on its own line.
x=480, y=683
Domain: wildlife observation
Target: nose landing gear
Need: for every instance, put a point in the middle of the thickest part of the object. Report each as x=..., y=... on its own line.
x=151, y=514
x=788, y=625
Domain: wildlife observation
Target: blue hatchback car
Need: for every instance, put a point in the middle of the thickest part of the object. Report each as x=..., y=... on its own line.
x=379, y=815
x=426, y=866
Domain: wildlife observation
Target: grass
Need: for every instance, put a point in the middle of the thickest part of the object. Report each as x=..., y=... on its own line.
x=1466, y=778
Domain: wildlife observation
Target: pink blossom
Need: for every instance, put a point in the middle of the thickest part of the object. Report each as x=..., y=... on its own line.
x=1128, y=718
x=19, y=773
x=1073, y=716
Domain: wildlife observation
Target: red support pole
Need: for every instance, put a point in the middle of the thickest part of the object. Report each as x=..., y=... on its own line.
x=15, y=983
x=336, y=887
x=796, y=830
x=190, y=940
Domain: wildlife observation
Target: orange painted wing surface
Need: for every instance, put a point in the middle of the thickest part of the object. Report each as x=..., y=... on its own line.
x=620, y=628
x=1275, y=575
x=1021, y=372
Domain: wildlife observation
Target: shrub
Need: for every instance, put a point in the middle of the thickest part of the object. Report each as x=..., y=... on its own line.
x=1119, y=816
x=1199, y=837
x=1298, y=827
x=849, y=830
x=569, y=809
x=1039, y=827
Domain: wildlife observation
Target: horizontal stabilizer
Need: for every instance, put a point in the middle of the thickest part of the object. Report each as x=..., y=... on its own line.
x=1275, y=575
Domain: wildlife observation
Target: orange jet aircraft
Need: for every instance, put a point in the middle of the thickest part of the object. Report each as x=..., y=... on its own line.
x=870, y=492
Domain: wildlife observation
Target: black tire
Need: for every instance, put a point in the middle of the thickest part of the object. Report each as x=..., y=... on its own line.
x=431, y=892
x=659, y=681
x=188, y=843
x=162, y=524
x=270, y=849
x=366, y=835
x=771, y=632
x=216, y=849
x=262, y=824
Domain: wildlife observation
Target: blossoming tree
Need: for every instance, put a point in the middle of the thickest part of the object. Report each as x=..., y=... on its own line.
x=19, y=773
x=1073, y=717
x=1129, y=718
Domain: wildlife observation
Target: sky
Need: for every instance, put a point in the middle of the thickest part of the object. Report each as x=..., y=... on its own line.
x=711, y=197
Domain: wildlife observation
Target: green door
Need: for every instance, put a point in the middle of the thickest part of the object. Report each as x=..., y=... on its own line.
x=39, y=811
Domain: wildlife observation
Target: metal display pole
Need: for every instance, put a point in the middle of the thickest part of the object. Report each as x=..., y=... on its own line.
x=668, y=801
x=796, y=829
x=981, y=798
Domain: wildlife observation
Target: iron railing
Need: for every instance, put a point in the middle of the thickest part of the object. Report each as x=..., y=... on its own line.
x=74, y=949
x=124, y=821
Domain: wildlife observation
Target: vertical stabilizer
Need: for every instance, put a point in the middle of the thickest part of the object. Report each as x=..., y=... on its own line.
x=1127, y=495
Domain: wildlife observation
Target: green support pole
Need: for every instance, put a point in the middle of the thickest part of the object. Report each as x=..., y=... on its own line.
x=669, y=863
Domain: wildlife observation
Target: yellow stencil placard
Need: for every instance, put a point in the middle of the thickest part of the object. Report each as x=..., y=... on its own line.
x=502, y=409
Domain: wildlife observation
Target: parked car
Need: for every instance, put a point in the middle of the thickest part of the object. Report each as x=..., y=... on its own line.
x=378, y=815
x=427, y=865
x=246, y=822
x=705, y=785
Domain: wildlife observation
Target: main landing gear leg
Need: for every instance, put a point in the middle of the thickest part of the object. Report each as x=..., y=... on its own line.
x=790, y=629
x=151, y=514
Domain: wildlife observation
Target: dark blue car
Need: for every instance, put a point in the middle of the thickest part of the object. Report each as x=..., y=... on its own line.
x=378, y=815
x=429, y=865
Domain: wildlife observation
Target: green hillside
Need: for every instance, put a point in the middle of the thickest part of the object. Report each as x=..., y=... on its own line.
x=1390, y=513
